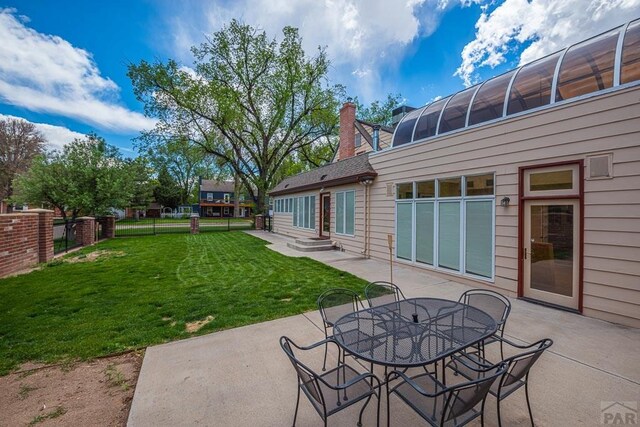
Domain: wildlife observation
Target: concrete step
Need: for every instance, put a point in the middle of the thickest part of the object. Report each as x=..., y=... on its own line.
x=312, y=242
x=311, y=248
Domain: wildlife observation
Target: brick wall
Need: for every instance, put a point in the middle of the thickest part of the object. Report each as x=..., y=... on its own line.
x=19, y=242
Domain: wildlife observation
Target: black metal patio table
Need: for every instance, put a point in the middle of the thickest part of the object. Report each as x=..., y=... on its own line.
x=412, y=332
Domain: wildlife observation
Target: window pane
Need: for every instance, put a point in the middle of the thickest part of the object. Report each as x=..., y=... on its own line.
x=489, y=101
x=358, y=140
x=545, y=181
x=306, y=212
x=449, y=235
x=300, y=211
x=428, y=122
x=532, y=86
x=480, y=185
x=449, y=187
x=479, y=248
x=350, y=206
x=340, y=213
x=455, y=115
x=424, y=232
x=404, y=234
x=312, y=212
x=295, y=213
x=404, y=133
x=426, y=189
x=630, y=70
x=588, y=66
x=404, y=191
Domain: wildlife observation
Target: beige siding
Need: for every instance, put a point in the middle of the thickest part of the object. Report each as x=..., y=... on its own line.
x=608, y=123
x=283, y=222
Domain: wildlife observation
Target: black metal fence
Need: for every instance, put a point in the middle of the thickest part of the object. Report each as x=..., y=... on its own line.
x=154, y=226
x=208, y=225
x=64, y=235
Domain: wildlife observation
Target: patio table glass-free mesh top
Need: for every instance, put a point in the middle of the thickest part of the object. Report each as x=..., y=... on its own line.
x=412, y=332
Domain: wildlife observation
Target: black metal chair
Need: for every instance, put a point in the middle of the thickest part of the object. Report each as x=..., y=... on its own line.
x=333, y=304
x=516, y=375
x=379, y=293
x=495, y=305
x=335, y=389
x=438, y=404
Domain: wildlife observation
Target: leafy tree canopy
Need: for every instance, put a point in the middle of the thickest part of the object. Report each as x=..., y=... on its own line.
x=379, y=112
x=251, y=101
x=88, y=177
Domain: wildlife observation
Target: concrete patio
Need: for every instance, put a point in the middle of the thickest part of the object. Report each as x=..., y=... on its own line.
x=241, y=377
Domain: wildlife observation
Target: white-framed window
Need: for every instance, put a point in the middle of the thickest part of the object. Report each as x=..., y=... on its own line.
x=209, y=197
x=346, y=212
x=304, y=212
x=227, y=197
x=448, y=224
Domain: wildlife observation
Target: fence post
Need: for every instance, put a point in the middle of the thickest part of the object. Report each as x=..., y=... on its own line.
x=108, y=226
x=228, y=224
x=195, y=223
x=154, y=226
x=45, y=234
x=85, y=230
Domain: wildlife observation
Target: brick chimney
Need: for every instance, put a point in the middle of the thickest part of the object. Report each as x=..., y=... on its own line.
x=347, y=147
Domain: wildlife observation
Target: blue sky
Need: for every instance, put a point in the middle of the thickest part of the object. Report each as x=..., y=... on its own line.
x=63, y=64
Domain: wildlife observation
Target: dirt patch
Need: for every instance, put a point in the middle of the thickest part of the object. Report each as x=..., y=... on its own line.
x=197, y=325
x=98, y=392
x=92, y=256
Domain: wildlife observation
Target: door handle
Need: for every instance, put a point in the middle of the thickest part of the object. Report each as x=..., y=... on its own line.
x=525, y=253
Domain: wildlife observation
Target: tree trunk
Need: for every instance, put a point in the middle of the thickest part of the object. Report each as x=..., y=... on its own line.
x=236, y=195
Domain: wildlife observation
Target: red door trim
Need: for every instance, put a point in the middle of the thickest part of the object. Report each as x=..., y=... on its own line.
x=522, y=199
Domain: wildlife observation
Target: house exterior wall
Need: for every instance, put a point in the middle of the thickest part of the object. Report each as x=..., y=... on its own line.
x=283, y=221
x=606, y=123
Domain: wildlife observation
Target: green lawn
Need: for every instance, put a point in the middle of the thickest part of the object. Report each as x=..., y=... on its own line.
x=147, y=289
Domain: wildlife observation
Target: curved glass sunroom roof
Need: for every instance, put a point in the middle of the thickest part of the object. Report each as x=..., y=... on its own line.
x=602, y=62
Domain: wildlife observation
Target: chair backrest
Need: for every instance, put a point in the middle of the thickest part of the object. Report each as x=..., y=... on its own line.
x=464, y=397
x=307, y=379
x=520, y=364
x=335, y=303
x=379, y=293
x=494, y=304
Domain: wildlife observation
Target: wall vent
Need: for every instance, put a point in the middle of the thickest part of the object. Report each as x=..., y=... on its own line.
x=390, y=187
x=600, y=166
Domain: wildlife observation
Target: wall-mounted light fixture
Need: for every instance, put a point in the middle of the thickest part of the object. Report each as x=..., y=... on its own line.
x=505, y=201
x=366, y=181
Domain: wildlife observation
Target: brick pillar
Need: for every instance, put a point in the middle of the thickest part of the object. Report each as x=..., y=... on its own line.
x=108, y=224
x=347, y=144
x=86, y=230
x=45, y=234
x=259, y=222
x=195, y=223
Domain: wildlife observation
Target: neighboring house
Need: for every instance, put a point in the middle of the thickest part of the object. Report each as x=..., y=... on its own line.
x=527, y=183
x=217, y=199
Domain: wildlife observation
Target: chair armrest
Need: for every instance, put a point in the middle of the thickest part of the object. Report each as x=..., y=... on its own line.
x=352, y=381
x=524, y=346
x=408, y=380
x=481, y=366
x=329, y=340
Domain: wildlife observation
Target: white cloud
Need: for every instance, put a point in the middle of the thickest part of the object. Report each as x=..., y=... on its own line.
x=56, y=136
x=361, y=36
x=547, y=25
x=46, y=73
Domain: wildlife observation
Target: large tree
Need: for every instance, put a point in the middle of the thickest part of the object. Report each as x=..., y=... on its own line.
x=20, y=142
x=251, y=101
x=88, y=177
x=379, y=112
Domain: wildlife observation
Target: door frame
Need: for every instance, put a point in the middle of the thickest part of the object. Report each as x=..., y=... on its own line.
x=521, y=222
x=322, y=196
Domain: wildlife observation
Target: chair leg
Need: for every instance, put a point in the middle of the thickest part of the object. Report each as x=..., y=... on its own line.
x=499, y=418
x=388, y=405
x=526, y=393
x=326, y=348
x=482, y=412
x=501, y=351
x=295, y=414
x=362, y=410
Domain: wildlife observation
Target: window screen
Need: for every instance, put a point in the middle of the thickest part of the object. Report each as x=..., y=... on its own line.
x=424, y=232
x=340, y=213
x=588, y=67
x=404, y=237
x=532, y=86
x=449, y=235
x=349, y=212
x=479, y=243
